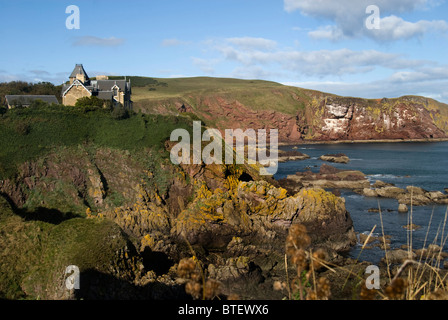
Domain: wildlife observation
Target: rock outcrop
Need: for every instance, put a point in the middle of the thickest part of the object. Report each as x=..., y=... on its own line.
x=235, y=221
x=412, y=195
x=262, y=211
x=330, y=177
x=285, y=156
x=340, y=118
x=336, y=158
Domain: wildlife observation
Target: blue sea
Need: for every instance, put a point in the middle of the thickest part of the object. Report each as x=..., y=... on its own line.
x=418, y=164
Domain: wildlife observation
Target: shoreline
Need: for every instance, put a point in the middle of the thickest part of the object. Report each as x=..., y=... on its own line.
x=311, y=142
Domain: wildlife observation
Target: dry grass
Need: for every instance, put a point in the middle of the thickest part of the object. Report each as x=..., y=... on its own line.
x=419, y=277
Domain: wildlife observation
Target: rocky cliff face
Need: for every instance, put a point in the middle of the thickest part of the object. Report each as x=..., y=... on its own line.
x=235, y=222
x=338, y=118
x=305, y=115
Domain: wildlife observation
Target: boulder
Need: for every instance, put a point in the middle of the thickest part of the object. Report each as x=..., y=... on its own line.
x=411, y=227
x=402, y=208
x=365, y=239
x=336, y=158
x=398, y=256
x=436, y=195
x=327, y=169
x=415, y=200
x=261, y=210
x=382, y=184
x=285, y=156
x=420, y=197
x=367, y=192
x=331, y=177
x=390, y=192
x=415, y=190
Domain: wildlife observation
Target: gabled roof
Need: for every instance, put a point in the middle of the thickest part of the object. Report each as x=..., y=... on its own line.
x=79, y=69
x=28, y=99
x=75, y=83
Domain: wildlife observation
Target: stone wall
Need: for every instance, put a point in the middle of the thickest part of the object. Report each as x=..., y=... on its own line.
x=76, y=92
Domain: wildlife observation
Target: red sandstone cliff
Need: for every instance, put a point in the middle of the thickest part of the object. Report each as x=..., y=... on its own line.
x=304, y=115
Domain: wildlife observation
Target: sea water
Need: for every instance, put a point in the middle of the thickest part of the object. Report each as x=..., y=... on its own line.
x=404, y=164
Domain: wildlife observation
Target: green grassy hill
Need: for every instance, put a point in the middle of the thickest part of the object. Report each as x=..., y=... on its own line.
x=258, y=94
x=26, y=134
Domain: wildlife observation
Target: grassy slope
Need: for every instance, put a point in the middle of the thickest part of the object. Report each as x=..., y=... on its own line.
x=34, y=253
x=257, y=94
x=30, y=133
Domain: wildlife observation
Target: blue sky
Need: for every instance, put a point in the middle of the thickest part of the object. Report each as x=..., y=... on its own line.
x=317, y=44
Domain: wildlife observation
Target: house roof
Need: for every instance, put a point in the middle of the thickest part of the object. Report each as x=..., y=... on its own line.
x=107, y=85
x=66, y=88
x=79, y=69
x=105, y=95
x=28, y=99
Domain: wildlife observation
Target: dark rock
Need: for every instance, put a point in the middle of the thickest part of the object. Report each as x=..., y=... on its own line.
x=327, y=169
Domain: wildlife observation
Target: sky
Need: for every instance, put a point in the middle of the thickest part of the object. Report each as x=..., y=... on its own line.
x=345, y=47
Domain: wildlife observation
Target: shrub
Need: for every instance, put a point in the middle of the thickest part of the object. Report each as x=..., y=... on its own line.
x=119, y=113
x=90, y=102
x=22, y=127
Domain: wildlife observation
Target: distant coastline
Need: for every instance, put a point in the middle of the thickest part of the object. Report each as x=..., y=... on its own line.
x=307, y=142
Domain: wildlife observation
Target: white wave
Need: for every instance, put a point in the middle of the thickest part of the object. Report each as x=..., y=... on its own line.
x=354, y=196
x=383, y=176
x=375, y=234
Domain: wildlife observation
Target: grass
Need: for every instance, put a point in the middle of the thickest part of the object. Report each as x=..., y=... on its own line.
x=419, y=277
x=256, y=94
x=27, y=134
x=34, y=254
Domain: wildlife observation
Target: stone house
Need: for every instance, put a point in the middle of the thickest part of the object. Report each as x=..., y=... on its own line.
x=26, y=100
x=80, y=85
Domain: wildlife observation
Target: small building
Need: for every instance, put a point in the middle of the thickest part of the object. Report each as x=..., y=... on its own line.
x=26, y=100
x=80, y=85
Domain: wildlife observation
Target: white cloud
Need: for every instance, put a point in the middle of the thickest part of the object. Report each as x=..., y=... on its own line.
x=379, y=74
x=394, y=28
x=97, y=42
x=343, y=9
x=349, y=18
x=420, y=75
x=314, y=63
x=328, y=33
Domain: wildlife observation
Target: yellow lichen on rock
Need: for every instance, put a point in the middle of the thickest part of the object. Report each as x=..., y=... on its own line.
x=319, y=204
x=147, y=241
